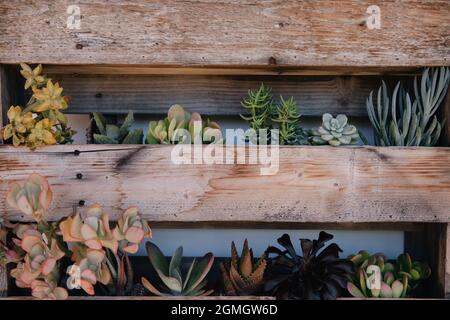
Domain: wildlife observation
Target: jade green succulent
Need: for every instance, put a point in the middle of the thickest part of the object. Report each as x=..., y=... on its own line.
x=180, y=126
x=286, y=115
x=173, y=283
x=259, y=108
x=397, y=279
x=114, y=134
x=406, y=121
x=335, y=131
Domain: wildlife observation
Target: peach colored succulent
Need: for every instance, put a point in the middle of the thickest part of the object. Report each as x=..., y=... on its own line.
x=47, y=291
x=131, y=230
x=32, y=197
x=93, y=230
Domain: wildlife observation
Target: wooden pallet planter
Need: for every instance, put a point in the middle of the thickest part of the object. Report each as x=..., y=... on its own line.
x=128, y=55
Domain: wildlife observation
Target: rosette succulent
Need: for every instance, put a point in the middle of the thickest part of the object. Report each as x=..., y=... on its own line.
x=335, y=131
x=173, y=283
x=241, y=276
x=317, y=274
x=32, y=197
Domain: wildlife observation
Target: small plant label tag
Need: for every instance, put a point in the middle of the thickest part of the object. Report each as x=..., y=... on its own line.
x=74, y=18
x=74, y=281
x=373, y=21
x=373, y=277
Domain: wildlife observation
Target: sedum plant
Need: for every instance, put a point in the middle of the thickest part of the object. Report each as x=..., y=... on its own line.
x=334, y=131
x=242, y=277
x=114, y=134
x=42, y=121
x=402, y=120
x=286, y=115
x=317, y=274
x=173, y=283
x=180, y=126
x=259, y=108
x=397, y=279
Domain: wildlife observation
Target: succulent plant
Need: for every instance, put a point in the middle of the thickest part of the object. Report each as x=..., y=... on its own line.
x=259, y=107
x=41, y=122
x=241, y=276
x=403, y=121
x=396, y=280
x=180, y=126
x=335, y=131
x=93, y=231
x=317, y=274
x=131, y=230
x=32, y=197
x=113, y=134
x=48, y=291
x=172, y=281
x=92, y=268
x=286, y=115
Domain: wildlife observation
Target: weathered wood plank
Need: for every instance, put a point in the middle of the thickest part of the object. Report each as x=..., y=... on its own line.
x=213, y=95
x=313, y=184
x=3, y=282
x=271, y=70
x=227, y=32
x=447, y=262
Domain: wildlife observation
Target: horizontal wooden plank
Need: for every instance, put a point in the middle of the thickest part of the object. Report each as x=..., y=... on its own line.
x=313, y=184
x=227, y=32
x=213, y=95
x=271, y=70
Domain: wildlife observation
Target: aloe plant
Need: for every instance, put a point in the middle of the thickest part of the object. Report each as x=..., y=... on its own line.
x=173, y=283
x=403, y=121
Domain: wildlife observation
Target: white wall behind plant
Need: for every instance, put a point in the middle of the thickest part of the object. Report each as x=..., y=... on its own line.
x=197, y=242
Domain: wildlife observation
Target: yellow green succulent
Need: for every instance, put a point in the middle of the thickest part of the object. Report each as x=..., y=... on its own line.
x=41, y=122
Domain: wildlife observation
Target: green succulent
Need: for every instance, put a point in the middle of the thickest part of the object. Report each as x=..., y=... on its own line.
x=113, y=134
x=180, y=126
x=402, y=121
x=334, y=131
x=259, y=107
x=397, y=280
x=286, y=115
x=173, y=283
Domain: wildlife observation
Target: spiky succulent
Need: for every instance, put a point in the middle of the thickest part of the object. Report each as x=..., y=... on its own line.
x=241, y=276
x=173, y=283
x=316, y=274
x=403, y=121
x=113, y=134
x=259, y=107
x=286, y=115
x=335, y=131
x=180, y=126
x=395, y=279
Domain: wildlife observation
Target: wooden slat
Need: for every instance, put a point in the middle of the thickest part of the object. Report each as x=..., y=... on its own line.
x=313, y=184
x=213, y=95
x=271, y=70
x=446, y=246
x=227, y=32
x=3, y=282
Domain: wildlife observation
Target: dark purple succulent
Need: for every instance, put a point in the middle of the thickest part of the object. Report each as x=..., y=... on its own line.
x=319, y=274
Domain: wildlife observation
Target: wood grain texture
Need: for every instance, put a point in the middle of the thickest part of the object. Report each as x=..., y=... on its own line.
x=213, y=95
x=3, y=282
x=446, y=244
x=227, y=32
x=313, y=184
